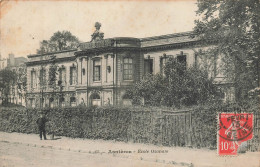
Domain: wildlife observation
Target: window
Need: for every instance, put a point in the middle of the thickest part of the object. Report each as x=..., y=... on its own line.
x=42, y=77
x=32, y=103
x=51, y=102
x=96, y=70
x=128, y=69
x=62, y=75
x=62, y=102
x=72, y=75
x=42, y=102
x=72, y=101
x=182, y=59
x=127, y=100
x=33, y=79
x=163, y=60
x=83, y=71
x=95, y=99
x=148, y=66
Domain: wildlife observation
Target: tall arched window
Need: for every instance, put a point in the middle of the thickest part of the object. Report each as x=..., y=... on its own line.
x=73, y=75
x=128, y=68
x=96, y=70
x=62, y=75
x=33, y=78
x=42, y=78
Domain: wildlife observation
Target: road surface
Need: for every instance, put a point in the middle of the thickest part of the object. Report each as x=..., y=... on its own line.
x=16, y=154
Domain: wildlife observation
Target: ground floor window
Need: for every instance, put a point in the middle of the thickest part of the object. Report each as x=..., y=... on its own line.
x=32, y=102
x=95, y=100
x=127, y=101
x=72, y=101
x=148, y=66
x=42, y=102
x=51, y=102
x=62, y=102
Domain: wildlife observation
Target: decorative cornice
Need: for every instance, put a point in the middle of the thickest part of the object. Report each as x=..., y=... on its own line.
x=172, y=46
x=188, y=33
x=90, y=52
x=40, y=62
x=51, y=53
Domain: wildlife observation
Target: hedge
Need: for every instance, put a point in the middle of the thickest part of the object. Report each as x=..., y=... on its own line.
x=195, y=127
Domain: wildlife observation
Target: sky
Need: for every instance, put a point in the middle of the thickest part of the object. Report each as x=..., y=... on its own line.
x=23, y=24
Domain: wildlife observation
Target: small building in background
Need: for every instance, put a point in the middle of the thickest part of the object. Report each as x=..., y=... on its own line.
x=18, y=89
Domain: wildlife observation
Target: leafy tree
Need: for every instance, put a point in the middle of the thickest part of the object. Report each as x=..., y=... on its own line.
x=61, y=40
x=234, y=27
x=187, y=86
x=178, y=86
x=21, y=82
x=53, y=74
x=7, y=80
x=151, y=89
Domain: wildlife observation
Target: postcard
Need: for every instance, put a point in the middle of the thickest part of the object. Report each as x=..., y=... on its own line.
x=129, y=83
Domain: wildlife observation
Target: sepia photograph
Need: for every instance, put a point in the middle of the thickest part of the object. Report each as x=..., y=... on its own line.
x=120, y=83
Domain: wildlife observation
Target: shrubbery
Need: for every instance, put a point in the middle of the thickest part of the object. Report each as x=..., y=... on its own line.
x=195, y=127
x=179, y=86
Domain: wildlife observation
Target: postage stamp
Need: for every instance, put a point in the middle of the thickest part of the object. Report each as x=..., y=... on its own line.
x=233, y=130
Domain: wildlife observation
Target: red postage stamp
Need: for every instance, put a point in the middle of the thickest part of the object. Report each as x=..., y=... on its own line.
x=233, y=129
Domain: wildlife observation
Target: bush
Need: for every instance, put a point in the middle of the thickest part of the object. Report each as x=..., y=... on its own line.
x=177, y=87
x=195, y=127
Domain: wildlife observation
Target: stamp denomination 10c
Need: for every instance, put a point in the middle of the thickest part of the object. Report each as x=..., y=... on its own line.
x=233, y=129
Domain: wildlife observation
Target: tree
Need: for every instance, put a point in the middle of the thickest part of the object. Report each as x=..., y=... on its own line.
x=187, y=86
x=150, y=88
x=53, y=74
x=7, y=80
x=234, y=27
x=179, y=86
x=59, y=41
x=21, y=83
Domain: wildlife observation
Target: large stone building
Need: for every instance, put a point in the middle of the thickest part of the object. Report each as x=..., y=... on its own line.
x=100, y=71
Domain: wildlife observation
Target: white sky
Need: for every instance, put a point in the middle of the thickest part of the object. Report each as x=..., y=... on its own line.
x=25, y=23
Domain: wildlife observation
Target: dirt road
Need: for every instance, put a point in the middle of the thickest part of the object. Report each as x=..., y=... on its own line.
x=17, y=149
x=15, y=154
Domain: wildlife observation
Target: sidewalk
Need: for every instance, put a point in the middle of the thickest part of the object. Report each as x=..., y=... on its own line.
x=169, y=155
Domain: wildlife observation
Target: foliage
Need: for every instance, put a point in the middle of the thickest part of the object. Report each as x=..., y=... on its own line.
x=7, y=80
x=233, y=26
x=60, y=40
x=21, y=83
x=179, y=86
x=142, y=125
x=43, y=78
x=187, y=86
x=151, y=88
x=52, y=81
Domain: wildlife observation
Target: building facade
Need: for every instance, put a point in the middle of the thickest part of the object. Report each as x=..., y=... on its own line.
x=99, y=72
x=17, y=89
x=3, y=63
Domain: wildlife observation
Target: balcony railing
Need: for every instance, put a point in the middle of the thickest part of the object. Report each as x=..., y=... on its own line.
x=96, y=44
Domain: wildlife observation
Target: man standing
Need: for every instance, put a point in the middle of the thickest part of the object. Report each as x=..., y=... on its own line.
x=41, y=125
